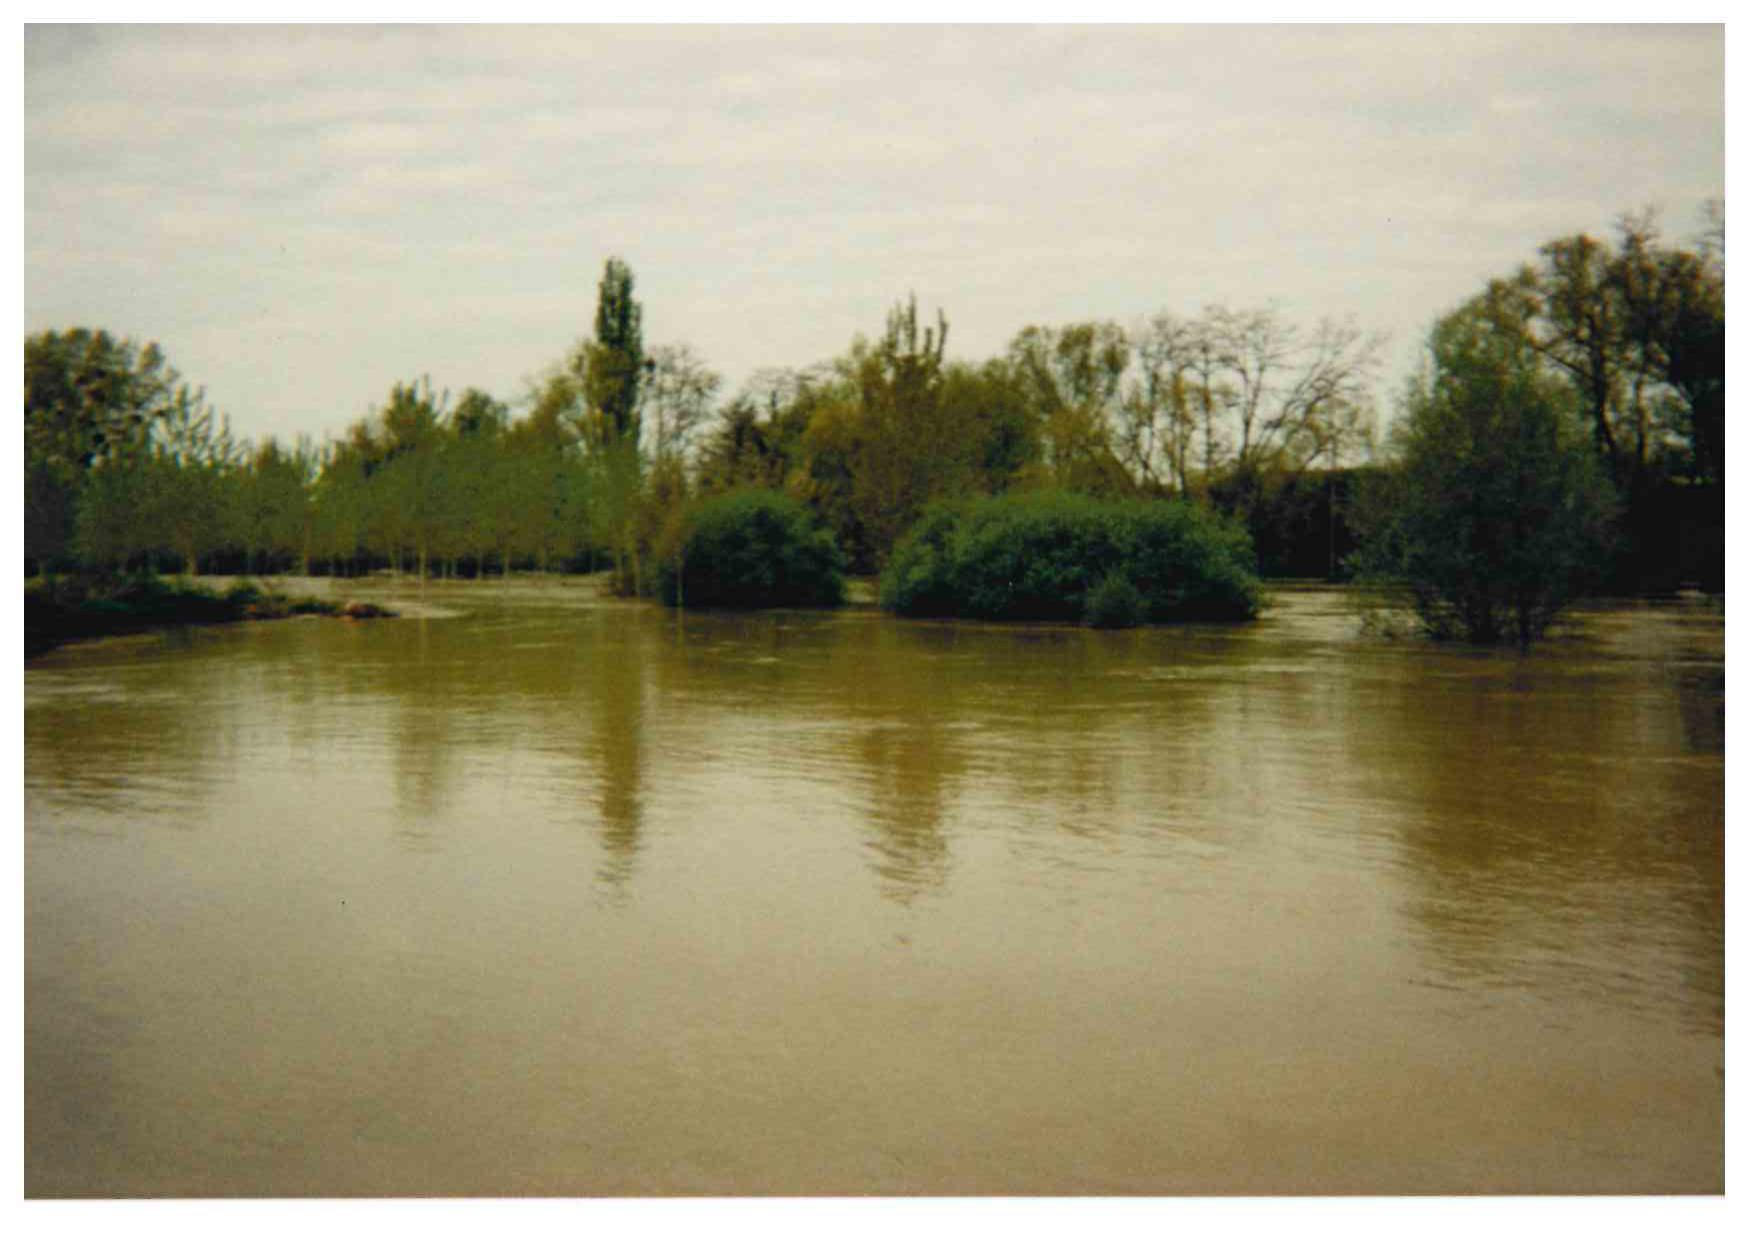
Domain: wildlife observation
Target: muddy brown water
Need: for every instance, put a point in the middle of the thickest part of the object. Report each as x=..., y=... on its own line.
x=534, y=892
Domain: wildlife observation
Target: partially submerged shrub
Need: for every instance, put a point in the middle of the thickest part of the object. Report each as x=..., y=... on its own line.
x=1115, y=603
x=753, y=548
x=100, y=608
x=919, y=579
x=1043, y=556
x=1494, y=513
x=244, y=594
x=156, y=600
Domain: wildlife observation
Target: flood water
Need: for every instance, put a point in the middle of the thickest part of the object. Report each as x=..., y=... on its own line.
x=549, y=894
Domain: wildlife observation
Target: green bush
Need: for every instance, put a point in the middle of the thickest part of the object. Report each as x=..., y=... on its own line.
x=1045, y=555
x=918, y=580
x=753, y=548
x=1115, y=603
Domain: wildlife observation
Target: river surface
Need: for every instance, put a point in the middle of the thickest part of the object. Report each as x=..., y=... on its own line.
x=542, y=893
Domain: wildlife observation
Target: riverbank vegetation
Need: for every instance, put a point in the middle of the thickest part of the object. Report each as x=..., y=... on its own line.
x=1240, y=416
x=85, y=608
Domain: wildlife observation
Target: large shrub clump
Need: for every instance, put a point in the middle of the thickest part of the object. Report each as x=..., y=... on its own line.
x=753, y=548
x=1061, y=556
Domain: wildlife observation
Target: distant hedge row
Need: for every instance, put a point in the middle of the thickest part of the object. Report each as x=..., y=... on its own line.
x=1062, y=556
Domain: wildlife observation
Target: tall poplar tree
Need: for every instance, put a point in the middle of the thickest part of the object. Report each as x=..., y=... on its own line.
x=616, y=361
x=612, y=377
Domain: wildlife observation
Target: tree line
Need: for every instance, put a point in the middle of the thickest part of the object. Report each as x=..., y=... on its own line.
x=1240, y=410
x=126, y=463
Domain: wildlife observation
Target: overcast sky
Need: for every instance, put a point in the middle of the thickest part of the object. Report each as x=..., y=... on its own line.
x=302, y=216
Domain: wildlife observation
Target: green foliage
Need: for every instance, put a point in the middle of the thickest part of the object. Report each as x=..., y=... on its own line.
x=108, y=529
x=1040, y=555
x=897, y=448
x=1496, y=512
x=1071, y=376
x=1115, y=603
x=87, y=394
x=872, y=438
x=921, y=577
x=1637, y=330
x=1242, y=410
x=753, y=548
x=244, y=593
x=615, y=361
x=89, y=399
x=272, y=499
x=745, y=450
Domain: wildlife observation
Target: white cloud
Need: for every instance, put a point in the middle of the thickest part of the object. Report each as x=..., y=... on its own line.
x=303, y=214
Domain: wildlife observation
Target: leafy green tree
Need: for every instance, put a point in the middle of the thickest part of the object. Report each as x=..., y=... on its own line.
x=555, y=510
x=192, y=467
x=985, y=420
x=612, y=377
x=759, y=439
x=662, y=517
x=1636, y=328
x=108, y=529
x=412, y=431
x=1072, y=376
x=345, y=500
x=87, y=396
x=1494, y=511
x=899, y=451
x=272, y=493
x=882, y=432
x=742, y=450
x=1674, y=327
x=615, y=358
x=469, y=473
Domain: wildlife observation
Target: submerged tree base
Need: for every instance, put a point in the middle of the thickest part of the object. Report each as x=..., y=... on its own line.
x=80, y=609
